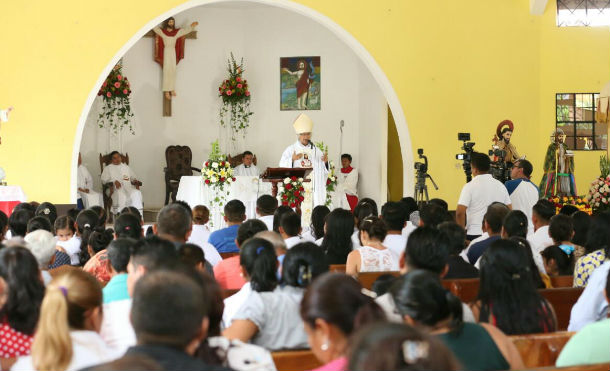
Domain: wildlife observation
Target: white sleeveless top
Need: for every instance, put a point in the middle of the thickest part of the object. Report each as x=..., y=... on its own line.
x=374, y=260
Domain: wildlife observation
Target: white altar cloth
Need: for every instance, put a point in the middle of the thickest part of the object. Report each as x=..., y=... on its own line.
x=12, y=193
x=247, y=189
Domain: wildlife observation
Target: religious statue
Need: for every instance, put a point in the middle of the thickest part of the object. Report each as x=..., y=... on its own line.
x=558, y=176
x=501, y=140
x=4, y=117
x=304, y=78
x=169, y=50
x=304, y=154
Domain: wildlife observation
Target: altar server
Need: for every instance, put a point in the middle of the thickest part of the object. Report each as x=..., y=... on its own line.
x=247, y=168
x=347, y=184
x=84, y=183
x=126, y=192
x=303, y=154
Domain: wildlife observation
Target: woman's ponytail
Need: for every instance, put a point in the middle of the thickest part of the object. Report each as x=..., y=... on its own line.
x=52, y=346
x=258, y=258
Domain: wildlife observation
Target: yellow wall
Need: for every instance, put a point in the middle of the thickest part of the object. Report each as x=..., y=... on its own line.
x=455, y=66
x=395, y=188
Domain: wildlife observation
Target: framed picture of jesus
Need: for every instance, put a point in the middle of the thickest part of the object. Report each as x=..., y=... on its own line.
x=300, y=83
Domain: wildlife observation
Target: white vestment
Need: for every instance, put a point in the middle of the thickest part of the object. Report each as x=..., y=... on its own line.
x=242, y=170
x=312, y=157
x=169, y=56
x=127, y=195
x=347, y=184
x=85, y=181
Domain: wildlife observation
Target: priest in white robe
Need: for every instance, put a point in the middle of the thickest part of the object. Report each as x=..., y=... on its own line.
x=84, y=182
x=347, y=184
x=247, y=167
x=126, y=192
x=304, y=154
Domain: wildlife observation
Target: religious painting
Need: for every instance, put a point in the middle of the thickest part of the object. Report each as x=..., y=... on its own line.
x=300, y=83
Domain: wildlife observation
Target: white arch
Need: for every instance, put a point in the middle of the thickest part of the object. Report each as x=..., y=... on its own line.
x=370, y=63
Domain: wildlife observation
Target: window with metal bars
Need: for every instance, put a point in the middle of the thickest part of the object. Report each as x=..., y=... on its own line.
x=576, y=117
x=583, y=13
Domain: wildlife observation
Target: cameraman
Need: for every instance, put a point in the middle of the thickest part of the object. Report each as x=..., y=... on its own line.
x=523, y=193
x=477, y=195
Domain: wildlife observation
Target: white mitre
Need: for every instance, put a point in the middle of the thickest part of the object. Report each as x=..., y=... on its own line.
x=302, y=124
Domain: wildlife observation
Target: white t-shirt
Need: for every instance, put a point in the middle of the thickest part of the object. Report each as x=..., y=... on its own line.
x=117, y=330
x=233, y=303
x=268, y=220
x=199, y=236
x=396, y=243
x=291, y=241
x=72, y=247
x=523, y=195
x=477, y=195
x=592, y=305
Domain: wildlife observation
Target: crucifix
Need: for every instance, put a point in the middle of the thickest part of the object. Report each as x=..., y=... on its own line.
x=169, y=50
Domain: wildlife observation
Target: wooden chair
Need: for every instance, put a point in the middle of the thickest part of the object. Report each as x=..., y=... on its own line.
x=562, y=281
x=178, y=161
x=226, y=255
x=238, y=160
x=467, y=289
x=562, y=300
x=368, y=278
x=108, y=188
x=540, y=350
x=295, y=360
x=337, y=268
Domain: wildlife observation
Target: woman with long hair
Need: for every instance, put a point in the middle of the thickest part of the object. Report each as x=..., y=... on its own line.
x=269, y=317
x=333, y=308
x=423, y=303
x=373, y=256
x=508, y=298
x=337, y=242
x=316, y=228
x=68, y=337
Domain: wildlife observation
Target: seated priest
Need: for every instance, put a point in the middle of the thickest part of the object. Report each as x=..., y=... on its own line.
x=87, y=197
x=126, y=187
x=247, y=168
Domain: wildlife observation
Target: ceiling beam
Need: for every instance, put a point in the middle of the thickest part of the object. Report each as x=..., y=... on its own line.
x=537, y=6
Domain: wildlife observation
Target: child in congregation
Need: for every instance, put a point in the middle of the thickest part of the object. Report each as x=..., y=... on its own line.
x=65, y=233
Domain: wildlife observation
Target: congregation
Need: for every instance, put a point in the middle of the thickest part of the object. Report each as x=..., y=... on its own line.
x=78, y=293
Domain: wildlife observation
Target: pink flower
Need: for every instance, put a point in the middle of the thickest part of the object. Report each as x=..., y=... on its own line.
x=247, y=94
x=119, y=77
x=238, y=79
x=117, y=84
x=229, y=92
x=124, y=91
x=239, y=86
x=108, y=95
x=105, y=83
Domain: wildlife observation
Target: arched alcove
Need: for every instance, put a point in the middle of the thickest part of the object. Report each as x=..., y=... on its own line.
x=378, y=76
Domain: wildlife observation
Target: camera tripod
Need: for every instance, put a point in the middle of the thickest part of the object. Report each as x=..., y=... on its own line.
x=421, y=189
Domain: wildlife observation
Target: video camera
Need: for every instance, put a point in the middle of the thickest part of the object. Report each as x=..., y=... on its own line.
x=499, y=169
x=421, y=167
x=468, y=148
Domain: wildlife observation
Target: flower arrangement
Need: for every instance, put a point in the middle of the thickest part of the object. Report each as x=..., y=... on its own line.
x=116, y=110
x=599, y=194
x=217, y=173
x=580, y=202
x=292, y=192
x=235, y=110
x=331, y=183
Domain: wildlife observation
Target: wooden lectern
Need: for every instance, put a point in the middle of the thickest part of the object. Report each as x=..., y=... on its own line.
x=275, y=175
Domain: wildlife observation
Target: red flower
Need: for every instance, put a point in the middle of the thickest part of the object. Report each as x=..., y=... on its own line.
x=301, y=189
x=229, y=92
x=220, y=89
x=117, y=84
x=301, y=198
x=108, y=95
x=239, y=86
x=207, y=164
x=222, y=179
x=119, y=77
x=284, y=203
x=247, y=94
x=233, y=179
x=296, y=193
x=288, y=186
x=238, y=79
x=222, y=163
x=292, y=204
x=327, y=181
x=284, y=197
x=294, y=178
x=207, y=181
x=105, y=83
x=124, y=91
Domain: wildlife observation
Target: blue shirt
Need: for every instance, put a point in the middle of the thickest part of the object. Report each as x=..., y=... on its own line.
x=475, y=251
x=224, y=239
x=116, y=289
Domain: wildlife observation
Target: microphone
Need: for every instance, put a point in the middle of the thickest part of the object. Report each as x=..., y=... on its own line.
x=341, y=124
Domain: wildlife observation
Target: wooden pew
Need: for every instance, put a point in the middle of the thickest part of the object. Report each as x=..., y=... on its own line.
x=562, y=281
x=467, y=289
x=562, y=300
x=227, y=293
x=540, y=350
x=295, y=360
x=226, y=255
x=337, y=268
x=368, y=278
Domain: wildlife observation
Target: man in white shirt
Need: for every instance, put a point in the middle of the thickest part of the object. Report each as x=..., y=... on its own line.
x=393, y=216
x=477, y=195
x=84, y=183
x=290, y=229
x=542, y=212
x=265, y=208
x=523, y=193
x=126, y=185
x=246, y=168
x=592, y=305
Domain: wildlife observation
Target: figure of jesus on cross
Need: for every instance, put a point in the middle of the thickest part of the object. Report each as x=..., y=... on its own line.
x=169, y=50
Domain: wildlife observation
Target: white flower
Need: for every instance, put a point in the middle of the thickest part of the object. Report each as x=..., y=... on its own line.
x=300, y=179
x=597, y=204
x=286, y=180
x=227, y=164
x=215, y=165
x=214, y=179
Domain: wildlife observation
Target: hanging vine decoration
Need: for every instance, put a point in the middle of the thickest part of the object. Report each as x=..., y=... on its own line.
x=235, y=109
x=116, y=110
